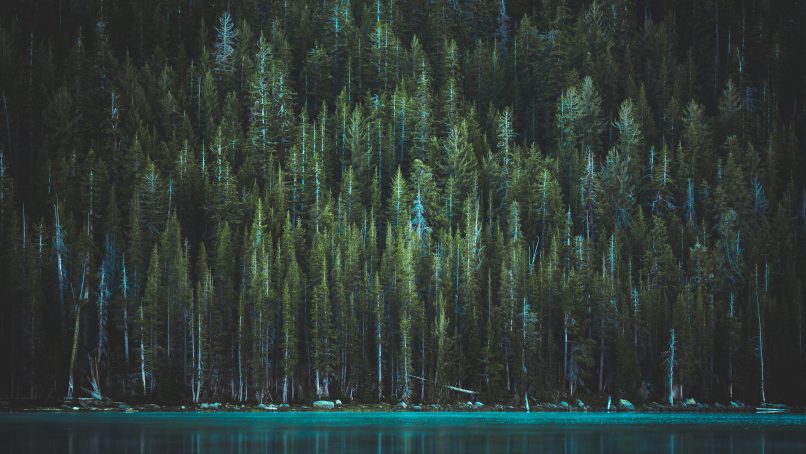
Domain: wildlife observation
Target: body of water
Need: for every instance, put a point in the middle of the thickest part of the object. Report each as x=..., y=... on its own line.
x=409, y=432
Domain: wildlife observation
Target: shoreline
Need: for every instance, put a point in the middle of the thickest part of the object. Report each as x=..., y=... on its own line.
x=85, y=405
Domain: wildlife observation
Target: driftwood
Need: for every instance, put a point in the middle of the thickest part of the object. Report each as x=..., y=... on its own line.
x=452, y=388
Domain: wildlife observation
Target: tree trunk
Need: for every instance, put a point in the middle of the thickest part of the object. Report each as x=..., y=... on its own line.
x=565, y=348
x=285, y=365
x=73, y=351
x=730, y=350
x=601, y=355
x=379, y=348
x=670, y=369
x=142, y=349
x=422, y=364
x=240, y=359
x=760, y=342
x=406, y=389
x=126, y=332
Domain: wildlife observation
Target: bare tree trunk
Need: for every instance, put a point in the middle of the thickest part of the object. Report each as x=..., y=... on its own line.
x=8, y=122
x=730, y=350
x=240, y=359
x=194, y=358
x=601, y=355
x=32, y=347
x=285, y=365
x=760, y=342
x=379, y=347
x=73, y=351
x=524, y=309
x=168, y=319
x=565, y=348
x=101, y=315
x=422, y=363
x=488, y=326
x=126, y=332
x=142, y=349
x=76, y=328
x=670, y=368
x=406, y=389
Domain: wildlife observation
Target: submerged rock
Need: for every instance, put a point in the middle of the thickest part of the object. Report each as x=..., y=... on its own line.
x=325, y=404
x=626, y=405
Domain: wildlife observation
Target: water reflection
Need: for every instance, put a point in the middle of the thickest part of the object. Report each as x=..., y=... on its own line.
x=396, y=433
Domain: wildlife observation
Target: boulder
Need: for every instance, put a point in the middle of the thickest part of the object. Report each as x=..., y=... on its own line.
x=338, y=402
x=580, y=404
x=324, y=404
x=402, y=405
x=690, y=402
x=478, y=404
x=416, y=407
x=564, y=404
x=626, y=405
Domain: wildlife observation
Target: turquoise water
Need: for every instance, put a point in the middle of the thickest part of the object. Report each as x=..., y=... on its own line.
x=343, y=432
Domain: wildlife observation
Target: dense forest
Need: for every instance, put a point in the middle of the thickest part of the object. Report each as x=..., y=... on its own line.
x=266, y=200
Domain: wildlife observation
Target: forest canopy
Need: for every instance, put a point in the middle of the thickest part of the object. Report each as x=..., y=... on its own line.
x=372, y=200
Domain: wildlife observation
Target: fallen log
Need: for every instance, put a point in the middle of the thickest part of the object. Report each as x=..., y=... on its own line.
x=452, y=388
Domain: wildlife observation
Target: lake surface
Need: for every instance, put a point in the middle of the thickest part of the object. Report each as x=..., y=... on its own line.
x=343, y=432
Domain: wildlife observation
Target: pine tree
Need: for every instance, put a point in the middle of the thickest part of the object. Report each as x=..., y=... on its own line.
x=225, y=42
